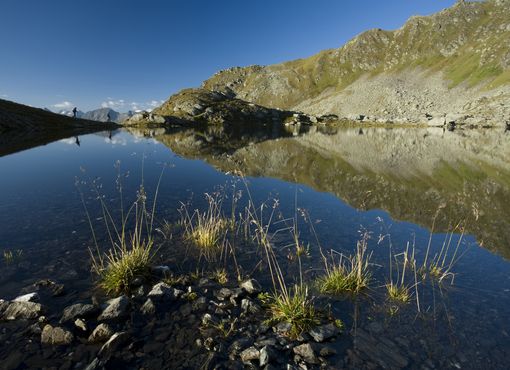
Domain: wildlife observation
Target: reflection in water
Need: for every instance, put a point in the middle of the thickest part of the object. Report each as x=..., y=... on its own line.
x=411, y=173
x=408, y=172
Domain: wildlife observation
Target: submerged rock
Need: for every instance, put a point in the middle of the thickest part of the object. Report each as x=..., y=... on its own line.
x=116, y=308
x=56, y=335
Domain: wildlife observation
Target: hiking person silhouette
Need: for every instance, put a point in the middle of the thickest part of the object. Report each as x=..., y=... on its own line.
x=75, y=110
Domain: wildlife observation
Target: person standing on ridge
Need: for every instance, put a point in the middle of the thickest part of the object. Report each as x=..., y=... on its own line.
x=74, y=112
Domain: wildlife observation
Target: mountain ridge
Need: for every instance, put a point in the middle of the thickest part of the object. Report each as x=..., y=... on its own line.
x=461, y=50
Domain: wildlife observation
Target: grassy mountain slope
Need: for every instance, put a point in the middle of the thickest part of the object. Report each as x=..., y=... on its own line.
x=464, y=50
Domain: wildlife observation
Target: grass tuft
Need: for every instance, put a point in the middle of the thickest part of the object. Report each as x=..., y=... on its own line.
x=206, y=230
x=294, y=307
x=350, y=275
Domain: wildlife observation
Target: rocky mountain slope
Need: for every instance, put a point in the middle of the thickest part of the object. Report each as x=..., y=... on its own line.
x=101, y=115
x=455, y=62
x=23, y=127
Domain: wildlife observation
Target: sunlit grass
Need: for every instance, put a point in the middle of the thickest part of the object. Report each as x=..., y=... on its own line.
x=206, y=230
x=294, y=307
x=350, y=275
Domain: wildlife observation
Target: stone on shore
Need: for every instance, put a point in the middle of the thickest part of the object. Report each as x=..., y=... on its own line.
x=56, y=335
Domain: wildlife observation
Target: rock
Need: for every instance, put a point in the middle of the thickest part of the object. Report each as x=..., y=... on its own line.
x=30, y=297
x=223, y=294
x=78, y=310
x=115, y=309
x=21, y=310
x=252, y=286
x=163, y=291
x=307, y=353
x=250, y=354
x=283, y=327
x=324, y=332
x=101, y=333
x=80, y=324
x=56, y=335
x=113, y=344
x=267, y=355
x=249, y=306
x=148, y=307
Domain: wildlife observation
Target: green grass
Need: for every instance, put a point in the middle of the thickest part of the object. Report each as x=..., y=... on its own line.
x=125, y=264
x=398, y=293
x=206, y=230
x=350, y=275
x=294, y=307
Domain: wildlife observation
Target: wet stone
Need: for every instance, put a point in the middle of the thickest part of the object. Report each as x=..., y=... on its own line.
x=80, y=324
x=56, y=335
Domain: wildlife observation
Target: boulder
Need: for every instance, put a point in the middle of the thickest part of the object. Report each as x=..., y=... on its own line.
x=56, y=335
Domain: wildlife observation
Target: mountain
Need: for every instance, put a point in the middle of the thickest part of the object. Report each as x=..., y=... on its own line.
x=23, y=127
x=455, y=63
x=101, y=115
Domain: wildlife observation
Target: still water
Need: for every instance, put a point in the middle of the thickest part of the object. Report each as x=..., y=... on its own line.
x=387, y=182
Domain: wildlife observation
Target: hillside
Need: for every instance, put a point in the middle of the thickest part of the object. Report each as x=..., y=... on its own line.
x=454, y=62
x=23, y=127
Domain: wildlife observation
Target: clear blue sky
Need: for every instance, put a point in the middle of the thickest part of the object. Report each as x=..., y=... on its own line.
x=91, y=52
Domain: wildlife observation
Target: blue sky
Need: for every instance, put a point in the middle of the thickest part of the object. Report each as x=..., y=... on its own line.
x=127, y=53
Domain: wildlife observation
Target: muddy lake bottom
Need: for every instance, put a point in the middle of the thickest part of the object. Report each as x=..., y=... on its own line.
x=462, y=322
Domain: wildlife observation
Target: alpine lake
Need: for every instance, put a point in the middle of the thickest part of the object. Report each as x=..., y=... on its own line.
x=429, y=208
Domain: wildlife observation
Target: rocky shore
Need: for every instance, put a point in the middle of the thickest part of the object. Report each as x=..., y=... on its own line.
x=192, y=324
